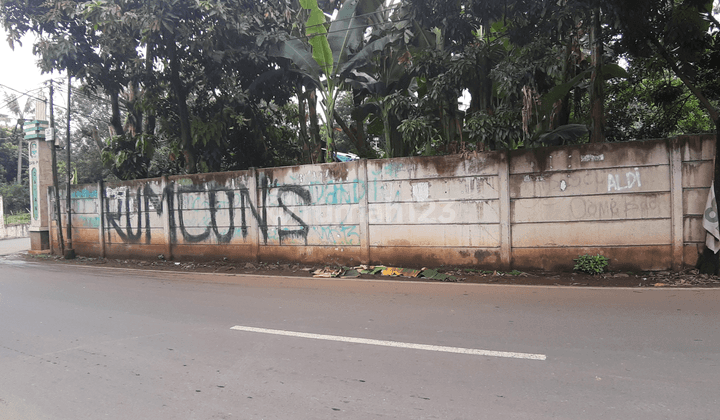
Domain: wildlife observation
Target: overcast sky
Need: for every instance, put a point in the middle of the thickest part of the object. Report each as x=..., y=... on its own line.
x=19, y=71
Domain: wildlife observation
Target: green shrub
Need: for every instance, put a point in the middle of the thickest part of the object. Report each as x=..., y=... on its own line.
x=16, y=198
x=591, y=264
x=17, y=219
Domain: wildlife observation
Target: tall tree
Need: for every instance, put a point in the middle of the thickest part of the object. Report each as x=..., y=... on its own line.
x=576, y=32
x=458, y=51
x=685, y=37
x=22, y=114
x=652, y=103
x=190, y=64
x=326, y=52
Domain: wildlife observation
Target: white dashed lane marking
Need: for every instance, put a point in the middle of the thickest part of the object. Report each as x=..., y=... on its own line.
x=414, y=346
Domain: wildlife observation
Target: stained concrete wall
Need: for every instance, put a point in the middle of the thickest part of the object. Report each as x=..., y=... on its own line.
x=641, y=204
x=14, y=231
x=11, y=231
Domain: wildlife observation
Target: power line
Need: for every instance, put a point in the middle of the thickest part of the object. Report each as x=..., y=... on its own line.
x=304, y=37
x=10, y=100
x=377, y=12
x=84, y=92
x=22, y=93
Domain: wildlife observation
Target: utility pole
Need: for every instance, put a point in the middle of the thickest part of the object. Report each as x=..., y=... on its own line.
x=69, y=251
x=51, y=139
x=21, y=124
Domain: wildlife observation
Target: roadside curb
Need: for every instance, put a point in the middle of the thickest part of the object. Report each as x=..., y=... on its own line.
x=390, y=280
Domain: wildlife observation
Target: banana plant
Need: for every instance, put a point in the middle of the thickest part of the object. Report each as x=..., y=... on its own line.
x=571, y=132
x=327, y=53
x=386, y=87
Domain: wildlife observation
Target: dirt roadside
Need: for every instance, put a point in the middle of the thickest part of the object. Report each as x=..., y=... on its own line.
x=687, y=278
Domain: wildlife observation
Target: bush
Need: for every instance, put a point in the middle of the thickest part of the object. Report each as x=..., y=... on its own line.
x=17, y=219
x=16, y=198
x=591, y=264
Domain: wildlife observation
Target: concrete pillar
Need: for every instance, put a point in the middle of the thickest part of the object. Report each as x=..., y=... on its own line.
x=253, y=186
x=676, y=197
x=101, y=213
x=166, y=210
x=505, y=213
x=40, y=173
x=364, y=213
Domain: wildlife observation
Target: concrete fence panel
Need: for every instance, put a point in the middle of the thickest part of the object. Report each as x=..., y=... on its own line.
x=432, y=211
x=641, y=204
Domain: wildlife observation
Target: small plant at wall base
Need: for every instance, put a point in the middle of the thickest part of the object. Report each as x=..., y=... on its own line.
x=591, y=264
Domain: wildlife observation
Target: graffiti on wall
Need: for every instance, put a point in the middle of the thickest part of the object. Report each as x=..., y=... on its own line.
x=216, y=213
x=632, y=179
x=618, y=207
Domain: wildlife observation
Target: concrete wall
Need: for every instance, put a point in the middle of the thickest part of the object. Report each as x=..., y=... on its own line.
x=641, y=204
x=11, y=231
x=14, y=231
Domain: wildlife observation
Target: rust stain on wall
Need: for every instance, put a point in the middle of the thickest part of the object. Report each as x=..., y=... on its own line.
x=444, y=166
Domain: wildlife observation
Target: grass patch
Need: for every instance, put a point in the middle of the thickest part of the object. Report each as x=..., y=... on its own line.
x=17, y=219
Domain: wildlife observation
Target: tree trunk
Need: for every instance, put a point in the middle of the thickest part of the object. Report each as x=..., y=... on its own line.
x=329, y=112
x=709, y=262
x=359, y=124
x=182, y=109
x=135, y=117
x=597, y=96
x=316, y=141
x=348, y=132
x=400, y=148
x=302, y=118
x=481, y=92
x=150, y=119
x=95, y=135
x=563, y=116
x=387, y=134
x=115, y=121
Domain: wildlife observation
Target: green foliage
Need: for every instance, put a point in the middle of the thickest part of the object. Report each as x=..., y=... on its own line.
x=128, y=155
x=204, y=85
x=653, y=103
x=420, y=134
x=17, y=219
x=16, y=198
x=8, y=156
x=336, y=51
x=317, y=36
x=10, y=138
x=502, y=129
x=180, y=61
x=565, y=134
x=591, y=264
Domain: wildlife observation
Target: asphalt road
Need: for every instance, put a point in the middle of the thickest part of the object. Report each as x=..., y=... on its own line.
x=94, y=343
x=13, y=246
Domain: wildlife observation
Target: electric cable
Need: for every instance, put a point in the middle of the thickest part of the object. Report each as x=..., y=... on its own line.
x=23, y=93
